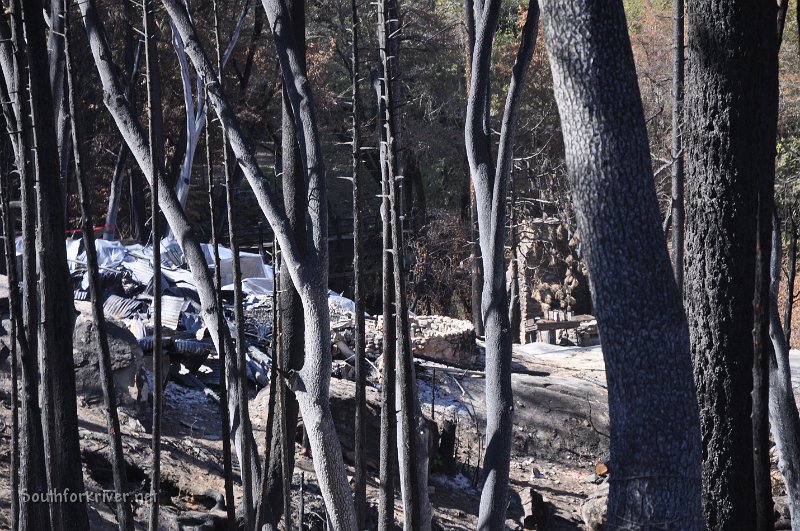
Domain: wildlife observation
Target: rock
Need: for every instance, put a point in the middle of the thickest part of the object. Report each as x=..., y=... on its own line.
x=535, y=510
x=594, y=510
x=127, y=361
x=781, y=508
x=343, y=406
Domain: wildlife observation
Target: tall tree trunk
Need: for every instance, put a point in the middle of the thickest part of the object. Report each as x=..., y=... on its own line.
x=730, y=144
x=123, y=509
x=294, y=201
x=156, y=141
x=227, y=464
x=514, y=310
x=360, y=443
x=475, y=247
x=247, y=471
x=790, y=278
x=32, y=469
x=783, y=415
x=388, y=448
x=56, y=310
x=407, y=438
x=655, y=433
x=55, y=52
x=264, y=510
x=9, y=252
x=491, y=182
x=115, y=195
x=678, y=213
x=309, y=271
x=132, y=133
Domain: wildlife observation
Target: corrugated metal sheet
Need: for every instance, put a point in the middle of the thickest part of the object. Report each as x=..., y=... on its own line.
x=116, y=306
x=141, y=270
x=171, y=308
x=81, y=295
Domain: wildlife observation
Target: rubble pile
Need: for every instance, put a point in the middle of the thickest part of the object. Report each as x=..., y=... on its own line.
x=127, y=293
x=433, y=337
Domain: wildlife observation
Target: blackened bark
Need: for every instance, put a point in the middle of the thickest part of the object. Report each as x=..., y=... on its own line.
x=137, y=183
x=388, y=394
x=55, y=53
x=132, y=133
x=678, y=213
x=790, y=279
x=514, y=310
x=117, y=177
x=310, y=271
x=491, y=183
x=360, y=443
x=15, y=336
x=263, y=508
x=123, y=509
x=156, y=141
x=730, y=143
x=655, y=434
x=227, y=463
x=249, y=475
x=56, y=310
x=32, y=467
x=407, y=446
x=783, y=416
x=294, y=202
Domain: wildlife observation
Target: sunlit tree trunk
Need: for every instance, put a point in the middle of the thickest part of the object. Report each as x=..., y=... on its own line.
x=655, y=431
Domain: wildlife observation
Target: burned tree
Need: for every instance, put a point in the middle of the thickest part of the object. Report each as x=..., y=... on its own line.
x=132, y=132
x=358, y=293
x=490, y=180
x=783, y=416
x=156, y=142
x=655, y=432
x=16, y=110
x=123, y=509
x=730, y=147
x=56, y=310
x=293, y=183
x=388, y=448
x=307, y=260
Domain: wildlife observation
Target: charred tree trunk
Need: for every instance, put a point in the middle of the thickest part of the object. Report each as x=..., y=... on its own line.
x=783, y=415
x=360, y=443
x=678, y=213
x=248, y=472
x=388, y=442
x=475, y=247
x=156, y=141
x=227, y=463
x=32, y=468
x=15, y=338
x=655, y=433
x=514, y=310
x=264, y=510
x=406, y=447
x=730, y=140
x=309, y=270
x=115, y=196
x=790, y=278
x=170, y=207
x=56, y=310
x=294, y=201
x=491, y=183
x=55, y=52
x=123, y=509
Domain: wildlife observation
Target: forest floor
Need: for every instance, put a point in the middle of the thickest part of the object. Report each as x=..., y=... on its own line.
x=561, y=427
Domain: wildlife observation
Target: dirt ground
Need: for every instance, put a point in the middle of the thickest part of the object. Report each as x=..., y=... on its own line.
x=561, y=428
